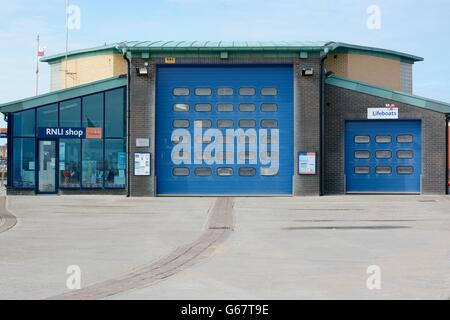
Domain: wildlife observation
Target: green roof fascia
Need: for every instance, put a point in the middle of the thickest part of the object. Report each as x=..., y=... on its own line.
x=62, y=95
x=81, y=53
x=215, y=49
x=218, y=49
x=401, y=97
x=221, y=44
x=218, y=54
x=377, y=52
x=255, y=47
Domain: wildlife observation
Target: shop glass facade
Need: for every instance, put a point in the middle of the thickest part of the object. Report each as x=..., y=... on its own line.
x=80, y=163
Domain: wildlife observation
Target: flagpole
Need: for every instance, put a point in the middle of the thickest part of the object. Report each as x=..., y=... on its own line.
x=37, y=65
x=66, y=71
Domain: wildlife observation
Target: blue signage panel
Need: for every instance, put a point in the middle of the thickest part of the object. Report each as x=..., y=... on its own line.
x=307, y=163
x=63, y=133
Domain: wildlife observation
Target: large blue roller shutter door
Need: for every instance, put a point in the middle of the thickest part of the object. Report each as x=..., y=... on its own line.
x=278, y=107
x=383, y=156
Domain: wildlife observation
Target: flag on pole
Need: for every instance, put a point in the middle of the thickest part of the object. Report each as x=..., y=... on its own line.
x=41, y=52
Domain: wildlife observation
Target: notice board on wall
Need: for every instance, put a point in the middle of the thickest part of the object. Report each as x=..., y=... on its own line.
x=307, y=163
x=142, y=164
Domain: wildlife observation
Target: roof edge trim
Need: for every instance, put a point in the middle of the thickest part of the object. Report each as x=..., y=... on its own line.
x=65, y=94
x=398, y=96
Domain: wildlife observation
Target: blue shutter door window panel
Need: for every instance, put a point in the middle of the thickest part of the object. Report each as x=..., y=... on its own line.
x=223, y=98
x=383, y=156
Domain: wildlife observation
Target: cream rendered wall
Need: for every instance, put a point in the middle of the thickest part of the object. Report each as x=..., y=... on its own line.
x=55, y=77
x=378, y=71
x=86, y=69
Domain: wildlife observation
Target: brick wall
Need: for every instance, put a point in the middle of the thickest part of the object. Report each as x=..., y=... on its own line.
x=307, y=124
x=342, y=104
x=142, y=125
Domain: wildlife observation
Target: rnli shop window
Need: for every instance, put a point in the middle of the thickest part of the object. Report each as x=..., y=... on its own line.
x=89, y=133
x=24, y=158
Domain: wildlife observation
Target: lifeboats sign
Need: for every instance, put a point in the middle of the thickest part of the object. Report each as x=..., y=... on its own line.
x=388, y=112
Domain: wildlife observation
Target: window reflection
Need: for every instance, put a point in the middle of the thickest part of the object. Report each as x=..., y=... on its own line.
x=69, y=163
x=115, y=164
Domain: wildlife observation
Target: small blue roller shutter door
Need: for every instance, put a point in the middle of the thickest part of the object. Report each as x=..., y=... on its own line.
x=224, y=98
x=383, y=156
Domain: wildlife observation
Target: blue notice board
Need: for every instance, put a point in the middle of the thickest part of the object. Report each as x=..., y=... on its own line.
x=307, y=163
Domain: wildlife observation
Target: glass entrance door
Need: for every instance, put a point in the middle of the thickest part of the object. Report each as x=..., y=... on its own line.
x=47, y=166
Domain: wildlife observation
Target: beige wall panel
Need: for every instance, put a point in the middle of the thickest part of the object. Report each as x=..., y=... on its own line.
x=374, y=70
x=365, y=68
x=338, y=63
x=87, y=69
x=120, y=65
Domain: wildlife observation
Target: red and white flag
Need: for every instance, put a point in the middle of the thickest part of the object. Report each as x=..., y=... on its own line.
x=41, y=52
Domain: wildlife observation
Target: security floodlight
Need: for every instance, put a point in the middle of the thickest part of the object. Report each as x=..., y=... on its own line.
x=308, y=72
x=142, y=71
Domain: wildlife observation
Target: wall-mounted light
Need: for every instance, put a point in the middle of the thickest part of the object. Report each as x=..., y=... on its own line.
x=308, y=72
x=142, y=71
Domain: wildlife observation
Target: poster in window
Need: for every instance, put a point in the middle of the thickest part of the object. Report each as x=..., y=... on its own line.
x=121, y=160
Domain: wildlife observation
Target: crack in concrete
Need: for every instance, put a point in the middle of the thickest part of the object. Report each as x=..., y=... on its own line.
x=219, y=228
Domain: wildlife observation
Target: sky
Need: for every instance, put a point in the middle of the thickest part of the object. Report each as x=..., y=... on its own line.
x=418, y=27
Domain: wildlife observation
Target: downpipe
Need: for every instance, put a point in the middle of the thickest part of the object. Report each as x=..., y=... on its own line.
x=128, y=59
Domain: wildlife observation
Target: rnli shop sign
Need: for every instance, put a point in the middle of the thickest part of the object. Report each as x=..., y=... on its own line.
x=389, y=112
x=70, y=133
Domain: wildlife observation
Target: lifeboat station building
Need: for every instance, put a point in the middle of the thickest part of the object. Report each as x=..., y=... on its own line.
x=160, y=118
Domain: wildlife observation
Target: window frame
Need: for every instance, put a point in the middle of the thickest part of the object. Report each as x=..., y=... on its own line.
x=124, y=142
x=81, y=112
x=405, y=135
x=403, y=158
x=209, y=121
x=219, y=126
x=242, y=106
x=243, y=127
x=247, y=168
x=355, y=139
x=269, y=104
x=360, y=158
x=405, y=174
x=103, y=113
x=181, y=127
x=362, y=174
x=203, y=104
x=57, y=104
x=196, y=92
x=104, y=138
x=384, y=174
x=247, y=95
x=181, y=95
x=124, y=101
x=203, y=168
x=225, y=168
x=35, y=171
x=174, y=109
x=181, y=175
x=269, y=95
x=34, y=136
x=225, y=95
x=224, y=104
x=277, y=126
x=383, y=158
x=384, y=136
x=80, y=166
